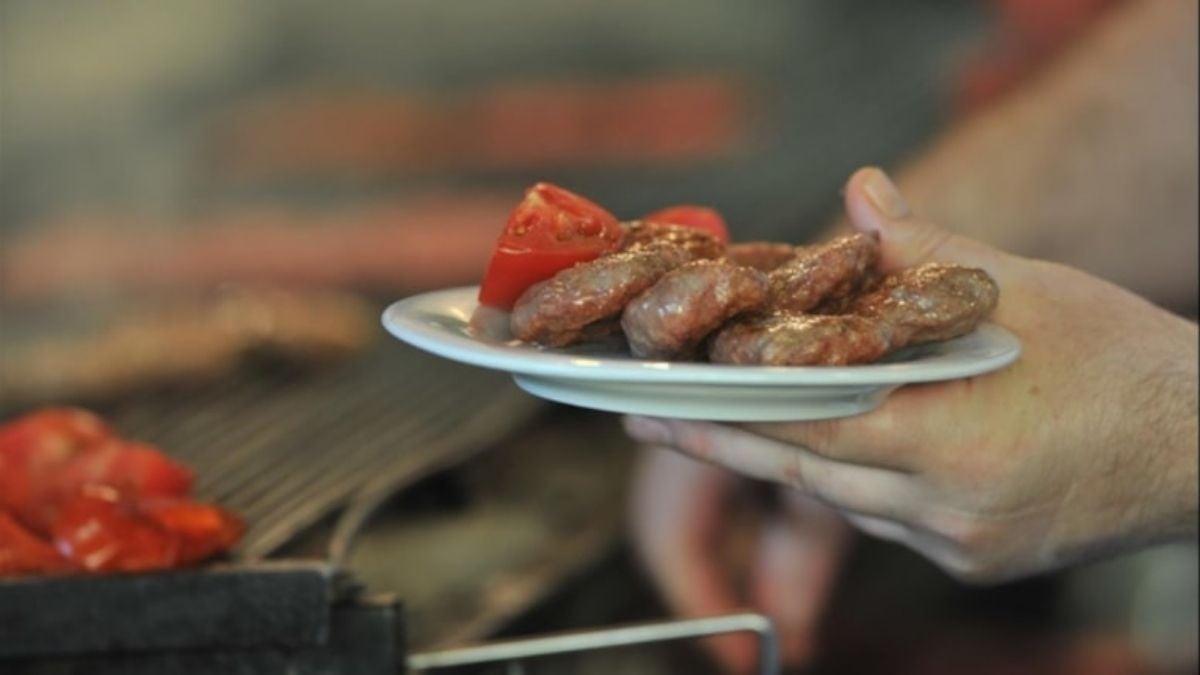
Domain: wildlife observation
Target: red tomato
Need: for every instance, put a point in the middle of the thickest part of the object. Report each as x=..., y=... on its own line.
x=697, y=217
x=22, y=552
x=101, y=532
x=204, y=530
x=57, y=429
x=34, y=448
x=134, y=469
x=550, y=230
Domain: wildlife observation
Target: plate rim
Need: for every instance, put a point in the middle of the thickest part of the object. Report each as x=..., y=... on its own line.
x=401, y=321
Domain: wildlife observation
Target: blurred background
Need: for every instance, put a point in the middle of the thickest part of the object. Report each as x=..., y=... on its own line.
x=188, y=118
x=205, y=204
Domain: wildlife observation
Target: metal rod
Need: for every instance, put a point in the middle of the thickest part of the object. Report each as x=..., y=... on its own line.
x=576, y=641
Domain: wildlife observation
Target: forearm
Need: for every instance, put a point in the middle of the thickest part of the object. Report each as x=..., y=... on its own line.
x=1181, y=510
x=1092, y=164
x=1152, y=431
x=1187, y=524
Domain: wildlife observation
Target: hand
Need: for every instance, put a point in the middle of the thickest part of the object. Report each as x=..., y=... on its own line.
x=688, y=536
x=1085, y=446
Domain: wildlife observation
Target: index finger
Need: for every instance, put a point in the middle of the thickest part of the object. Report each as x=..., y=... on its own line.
x=900, y=434
x=854, y=487
x=678, y=517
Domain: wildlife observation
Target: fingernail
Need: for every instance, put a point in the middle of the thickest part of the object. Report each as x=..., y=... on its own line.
x=884, y=194
x=647, y=430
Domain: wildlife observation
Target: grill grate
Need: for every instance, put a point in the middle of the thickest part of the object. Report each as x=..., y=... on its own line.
x=286, y=447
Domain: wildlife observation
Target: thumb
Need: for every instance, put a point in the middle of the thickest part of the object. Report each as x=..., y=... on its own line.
x=875, y=204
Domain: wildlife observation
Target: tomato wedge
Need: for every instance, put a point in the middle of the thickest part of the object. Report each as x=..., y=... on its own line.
x=696, y=217
x=54, y=430
x=132, y=468
x=550, y=230
x=204, y=530
x=76, y=497
x=102, y=532
x=34, y=448
x=22, y=552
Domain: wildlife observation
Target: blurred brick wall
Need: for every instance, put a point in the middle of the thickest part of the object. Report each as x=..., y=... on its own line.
x=181, y=107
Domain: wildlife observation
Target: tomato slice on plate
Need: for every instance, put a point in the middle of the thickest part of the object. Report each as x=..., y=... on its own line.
x=550, y=230
x=697, y=217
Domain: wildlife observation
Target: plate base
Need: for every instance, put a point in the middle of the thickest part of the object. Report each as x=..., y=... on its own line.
x=723, y=404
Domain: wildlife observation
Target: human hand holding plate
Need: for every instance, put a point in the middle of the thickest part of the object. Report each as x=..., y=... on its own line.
x=1086, y=445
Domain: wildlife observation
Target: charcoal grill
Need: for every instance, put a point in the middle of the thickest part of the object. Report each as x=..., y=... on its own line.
x=294, y=618
x=286, y=447
x=290, y=449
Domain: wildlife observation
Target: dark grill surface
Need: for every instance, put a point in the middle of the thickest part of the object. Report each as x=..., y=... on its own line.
x=285, y=447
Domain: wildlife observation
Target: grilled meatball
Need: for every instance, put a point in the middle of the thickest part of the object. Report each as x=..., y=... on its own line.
x=923, y=304
x=700, y=245
x=561, y=310
x=672, y=317
x=931, y=302
x=761, y=255
x=841, y=304
x=823, y=273
x=800, y=340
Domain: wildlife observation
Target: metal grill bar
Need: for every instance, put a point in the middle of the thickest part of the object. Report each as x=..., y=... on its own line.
x=578, y=641
x=284, y=448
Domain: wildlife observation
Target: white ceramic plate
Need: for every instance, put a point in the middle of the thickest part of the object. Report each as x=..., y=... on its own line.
x=606, y=377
